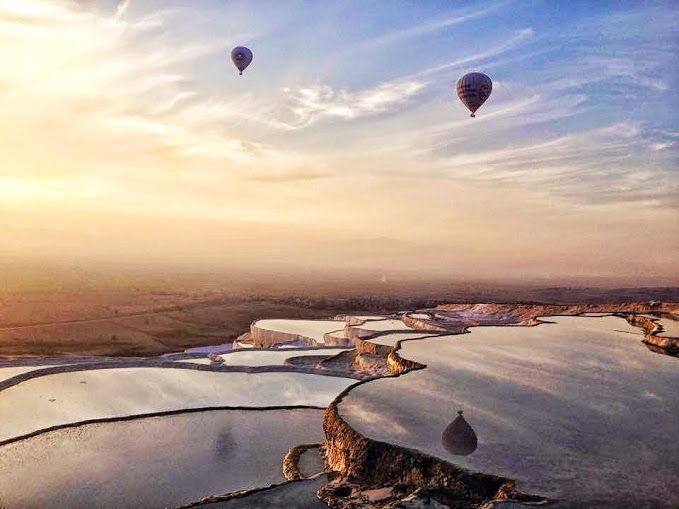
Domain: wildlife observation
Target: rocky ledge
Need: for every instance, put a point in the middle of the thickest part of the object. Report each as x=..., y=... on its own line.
x=660, y=344
x=369, y=473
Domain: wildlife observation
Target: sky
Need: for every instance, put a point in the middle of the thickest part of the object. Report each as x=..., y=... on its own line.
x=128, y=137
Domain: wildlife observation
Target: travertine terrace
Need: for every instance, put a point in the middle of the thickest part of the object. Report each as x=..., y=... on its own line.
x=374, y=457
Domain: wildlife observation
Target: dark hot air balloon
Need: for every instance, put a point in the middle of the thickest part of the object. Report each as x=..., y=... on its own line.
x=473, y=89
x=241, y=57
x=459, y=437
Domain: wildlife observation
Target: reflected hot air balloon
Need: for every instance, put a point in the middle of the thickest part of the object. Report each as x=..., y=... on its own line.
x=241, y=57
x=459, y=438
x=473, y=89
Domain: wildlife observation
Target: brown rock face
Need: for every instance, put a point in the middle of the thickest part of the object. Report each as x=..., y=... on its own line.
x=365, y=346
x=397, y=364
x=659, y=344
x=291, y=470
x=369, y=362
x=423, y=324
x=375, y=464
x=264, y=338
x=526, y=314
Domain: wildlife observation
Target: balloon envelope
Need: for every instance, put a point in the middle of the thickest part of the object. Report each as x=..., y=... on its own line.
x=241, y=57
x=473, y=89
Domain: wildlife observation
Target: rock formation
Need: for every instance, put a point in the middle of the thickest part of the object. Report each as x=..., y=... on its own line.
x=661, y=344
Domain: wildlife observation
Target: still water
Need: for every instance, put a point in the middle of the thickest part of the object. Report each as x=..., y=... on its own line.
x=578, y=409
x=153, y=462
x=72, y=397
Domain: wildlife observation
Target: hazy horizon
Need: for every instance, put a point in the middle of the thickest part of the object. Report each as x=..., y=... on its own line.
x=130, y=143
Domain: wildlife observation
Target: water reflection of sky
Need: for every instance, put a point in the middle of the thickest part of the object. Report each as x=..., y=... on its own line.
x=64, y=398
x=572, y=409
x=670, y=328
x=384, y=325
x=392, y=339
x=154, y=462
x=266, y=357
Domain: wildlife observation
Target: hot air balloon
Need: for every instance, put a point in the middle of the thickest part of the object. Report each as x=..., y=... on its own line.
x=241, y=57
x=473, y=89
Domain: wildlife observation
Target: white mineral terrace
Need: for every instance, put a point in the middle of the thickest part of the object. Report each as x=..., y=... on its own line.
x=77, y=396
x=313, y=329
x=337, y=336
x=383, y=325
x=267, y=357
x=578, y=409
x=394, y=337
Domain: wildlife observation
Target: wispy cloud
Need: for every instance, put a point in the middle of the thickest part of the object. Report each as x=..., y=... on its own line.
x=516, y=39
x=618, y=53
x=432, y=25
x=593, y=166
x=662, y=145
x=119, y=106
x=123, y=82
x=121, y=8
x=633, y=71
x=311, y=104
x=291, y=176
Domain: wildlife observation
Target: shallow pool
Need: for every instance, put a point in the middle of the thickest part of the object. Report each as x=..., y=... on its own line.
x=670, y=328
x=384, y=325
x=578, y=409
x=393, y=338
x=267, y=357
x=153, y=462
x=73, y=397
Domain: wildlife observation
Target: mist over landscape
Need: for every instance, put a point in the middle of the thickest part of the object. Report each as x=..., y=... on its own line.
x=288, y=254
x=137, y=147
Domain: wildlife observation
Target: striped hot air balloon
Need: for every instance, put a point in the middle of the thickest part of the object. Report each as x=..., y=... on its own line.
x=473, y=89
x=241, y=57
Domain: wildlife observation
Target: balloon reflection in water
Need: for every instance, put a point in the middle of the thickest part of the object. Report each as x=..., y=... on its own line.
x=459, y=437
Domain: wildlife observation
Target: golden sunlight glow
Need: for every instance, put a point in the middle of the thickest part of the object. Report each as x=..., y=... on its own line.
x=113, y=124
